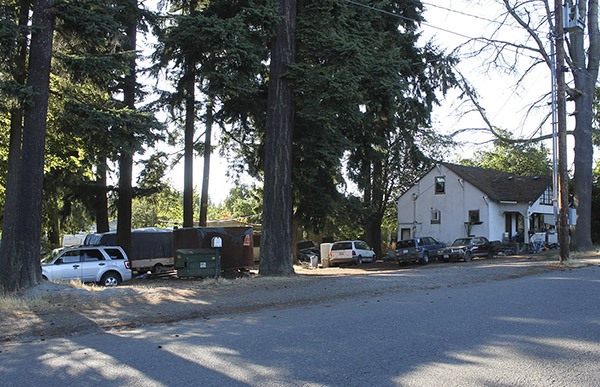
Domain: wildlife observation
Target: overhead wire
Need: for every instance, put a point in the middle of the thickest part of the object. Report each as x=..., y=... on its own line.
x=461, y=12
x=508, y=48
x=372, y=8
x=405, y=18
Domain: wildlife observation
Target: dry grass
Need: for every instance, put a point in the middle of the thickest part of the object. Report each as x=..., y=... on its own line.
x=11, y=302
x=90, y=287
x=44, y=295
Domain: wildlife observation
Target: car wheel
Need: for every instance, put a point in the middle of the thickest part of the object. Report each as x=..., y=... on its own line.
x=158, y=269
x=110, y=279
x=490, y=255
x=425, y=259
x=468, y=256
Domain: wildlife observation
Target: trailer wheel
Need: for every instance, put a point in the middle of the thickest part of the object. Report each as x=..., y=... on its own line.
x=158, y=269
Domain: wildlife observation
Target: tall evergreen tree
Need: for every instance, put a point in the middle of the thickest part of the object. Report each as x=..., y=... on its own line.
x=227, y=65
x=400, y=95
x=276, y=235
x=584, y=49
x=90, y=124
x=21, y=235
x=127, y=150
x=364, y=90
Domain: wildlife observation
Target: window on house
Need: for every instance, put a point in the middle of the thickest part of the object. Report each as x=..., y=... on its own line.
x=436, y=216
x=440, y=184
x=547, y=196
x=474, y=217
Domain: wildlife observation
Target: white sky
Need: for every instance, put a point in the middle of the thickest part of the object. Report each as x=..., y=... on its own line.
x=505, y=102
x=449, y=24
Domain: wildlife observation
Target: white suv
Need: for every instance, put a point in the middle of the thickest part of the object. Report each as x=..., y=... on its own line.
x=351, y=252
x=106, y=265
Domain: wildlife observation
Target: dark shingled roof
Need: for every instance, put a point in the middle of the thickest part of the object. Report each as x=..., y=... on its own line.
x=503, y=186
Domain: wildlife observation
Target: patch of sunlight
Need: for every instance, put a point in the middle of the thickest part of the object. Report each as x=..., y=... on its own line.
x=70, y=358
x=226, y=361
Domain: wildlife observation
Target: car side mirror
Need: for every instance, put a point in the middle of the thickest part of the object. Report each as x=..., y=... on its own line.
x=58, y=261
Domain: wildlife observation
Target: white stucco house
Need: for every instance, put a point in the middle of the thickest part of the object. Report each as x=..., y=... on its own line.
x=453, y=201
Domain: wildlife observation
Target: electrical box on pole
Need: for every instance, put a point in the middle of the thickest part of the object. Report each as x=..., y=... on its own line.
x=572, y=20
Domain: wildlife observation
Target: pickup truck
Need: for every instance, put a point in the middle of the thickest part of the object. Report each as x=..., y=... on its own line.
x=469, y=247
x=420, y=250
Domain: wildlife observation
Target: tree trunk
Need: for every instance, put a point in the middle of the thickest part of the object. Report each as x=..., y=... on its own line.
x=189, y=129
x=126, y=157
x=378, y=207
x=563, y=177
x=101, y=202
x=585, y=80
x=10, y=218
x=188, y=158
x=206, y=172
x=276, y=238
x=22, y=229
x=124, y=202
x=54, y=229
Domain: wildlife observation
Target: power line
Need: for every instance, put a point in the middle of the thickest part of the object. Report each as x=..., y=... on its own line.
x=463, y=13
x=405, y=18
x=369, y=7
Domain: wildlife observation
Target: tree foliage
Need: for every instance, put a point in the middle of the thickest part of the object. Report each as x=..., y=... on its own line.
x=519, y=158
x=361, y=89
x=364, y=91
x=225, y=66
x=244, y=203
x=85, y=121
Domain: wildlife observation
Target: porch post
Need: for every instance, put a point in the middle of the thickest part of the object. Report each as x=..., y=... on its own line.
x=527, y=225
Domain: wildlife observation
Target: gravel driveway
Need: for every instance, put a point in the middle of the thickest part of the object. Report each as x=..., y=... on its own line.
x=57, y=310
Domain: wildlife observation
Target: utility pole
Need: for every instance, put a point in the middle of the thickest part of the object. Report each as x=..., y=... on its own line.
x=561, y=105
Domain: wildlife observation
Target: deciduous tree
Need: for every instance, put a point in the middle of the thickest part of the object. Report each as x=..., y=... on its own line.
x=536, y=18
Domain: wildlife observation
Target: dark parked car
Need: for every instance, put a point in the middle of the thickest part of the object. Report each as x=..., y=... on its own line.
x=419, y=250
x=469, y=247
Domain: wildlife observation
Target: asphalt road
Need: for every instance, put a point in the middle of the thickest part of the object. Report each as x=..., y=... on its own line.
x=541, y=330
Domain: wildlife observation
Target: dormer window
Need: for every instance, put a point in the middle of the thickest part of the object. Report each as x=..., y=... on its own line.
x=440, y=185
x=547, y=196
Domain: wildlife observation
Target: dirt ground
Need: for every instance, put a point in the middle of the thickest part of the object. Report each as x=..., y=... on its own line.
x=50, y=309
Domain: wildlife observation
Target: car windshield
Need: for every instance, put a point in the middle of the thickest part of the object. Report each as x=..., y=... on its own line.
x=51, y=255
x=461, y=242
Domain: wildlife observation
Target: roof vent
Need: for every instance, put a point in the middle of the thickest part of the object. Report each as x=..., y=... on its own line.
x=510, y=177
x=536, y=178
